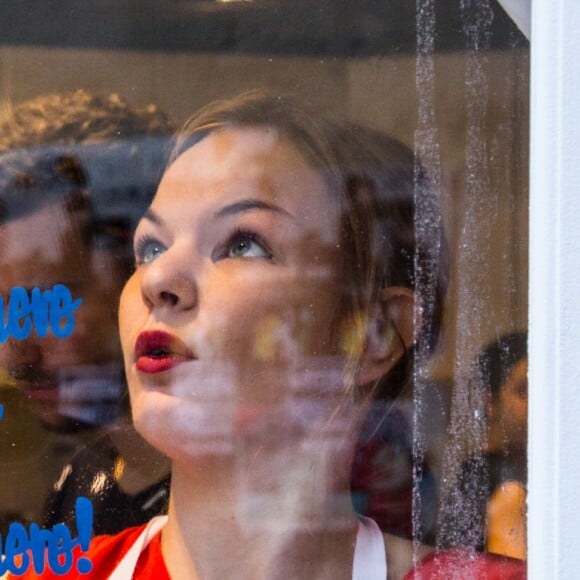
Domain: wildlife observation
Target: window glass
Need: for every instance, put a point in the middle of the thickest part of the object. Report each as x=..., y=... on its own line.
x=263, y=267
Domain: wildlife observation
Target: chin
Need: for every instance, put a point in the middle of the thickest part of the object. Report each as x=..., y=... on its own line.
x=183, y=429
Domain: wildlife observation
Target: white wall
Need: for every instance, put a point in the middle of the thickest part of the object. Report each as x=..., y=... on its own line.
x=554, y=444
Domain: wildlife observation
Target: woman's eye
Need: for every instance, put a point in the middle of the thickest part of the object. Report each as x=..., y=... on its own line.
x=246, y=246
x=148, y=250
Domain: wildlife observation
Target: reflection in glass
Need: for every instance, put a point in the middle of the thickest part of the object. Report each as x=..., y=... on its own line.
x=449, y=80
x=58, y=154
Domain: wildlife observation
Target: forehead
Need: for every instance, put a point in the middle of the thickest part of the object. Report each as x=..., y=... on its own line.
x=245, y=163
x=241, y=144
x=49, y=225
x=55, y=241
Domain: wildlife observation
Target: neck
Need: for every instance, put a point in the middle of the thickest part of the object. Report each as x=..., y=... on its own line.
x=266, y=517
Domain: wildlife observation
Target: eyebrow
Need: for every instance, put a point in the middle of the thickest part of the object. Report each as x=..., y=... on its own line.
x=245, y=205
x=152, y=217
x=241, y=206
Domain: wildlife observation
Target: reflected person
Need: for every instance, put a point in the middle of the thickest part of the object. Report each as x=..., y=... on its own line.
x=61, y=224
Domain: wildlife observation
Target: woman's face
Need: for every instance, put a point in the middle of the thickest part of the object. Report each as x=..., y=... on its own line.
x=227, y=323
x=514, y=406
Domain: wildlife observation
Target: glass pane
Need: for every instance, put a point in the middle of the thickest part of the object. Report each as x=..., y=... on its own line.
x=320, y=281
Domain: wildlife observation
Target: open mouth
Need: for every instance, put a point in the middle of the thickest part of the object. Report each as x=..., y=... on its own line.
x=158, y=351
x=30, y=373
x=34, y=382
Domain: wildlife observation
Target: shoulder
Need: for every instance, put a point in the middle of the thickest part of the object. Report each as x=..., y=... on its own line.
x=467, y=563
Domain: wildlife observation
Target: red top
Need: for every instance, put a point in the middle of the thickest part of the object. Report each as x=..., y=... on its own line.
x=105, y=554
x=107, y=551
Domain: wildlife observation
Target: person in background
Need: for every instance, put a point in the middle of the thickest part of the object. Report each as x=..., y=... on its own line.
x=382, y=476
x=491, y=486
x=76, y=171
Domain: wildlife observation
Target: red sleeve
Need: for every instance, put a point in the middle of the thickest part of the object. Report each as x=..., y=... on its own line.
x=464, y=563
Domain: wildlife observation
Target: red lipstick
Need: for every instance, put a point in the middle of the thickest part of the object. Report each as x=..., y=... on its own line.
x=157, y=351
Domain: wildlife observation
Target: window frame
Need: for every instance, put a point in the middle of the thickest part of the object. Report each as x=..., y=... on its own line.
x=554, y=368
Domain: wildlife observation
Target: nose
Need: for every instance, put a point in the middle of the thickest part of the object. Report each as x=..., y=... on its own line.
x=169, y=282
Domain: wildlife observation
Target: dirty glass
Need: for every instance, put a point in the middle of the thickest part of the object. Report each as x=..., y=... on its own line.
x=320, y=282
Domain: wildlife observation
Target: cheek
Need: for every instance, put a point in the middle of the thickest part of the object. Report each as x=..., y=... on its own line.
x=96, y=325
x=130, y=307
x=515, y=415
x=277, y=320
x=275, y=338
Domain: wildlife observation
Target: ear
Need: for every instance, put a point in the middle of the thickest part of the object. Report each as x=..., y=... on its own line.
x=389, y=334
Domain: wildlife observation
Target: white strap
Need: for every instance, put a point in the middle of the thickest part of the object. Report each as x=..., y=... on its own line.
x=370, y=558
x=126, y=567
